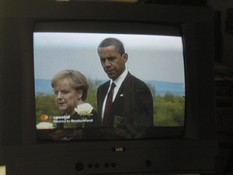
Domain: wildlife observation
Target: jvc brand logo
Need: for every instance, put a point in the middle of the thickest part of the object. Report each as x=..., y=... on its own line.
x=119, y=149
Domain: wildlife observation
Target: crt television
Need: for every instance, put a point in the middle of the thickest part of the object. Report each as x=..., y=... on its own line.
x=170, y=48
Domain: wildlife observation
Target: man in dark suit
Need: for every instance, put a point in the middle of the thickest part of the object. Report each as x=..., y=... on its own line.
x=131, y=103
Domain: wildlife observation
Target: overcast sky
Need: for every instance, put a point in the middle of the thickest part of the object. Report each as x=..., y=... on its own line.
x=150, y=57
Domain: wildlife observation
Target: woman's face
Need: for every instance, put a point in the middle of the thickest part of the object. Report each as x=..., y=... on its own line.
x=67, y=98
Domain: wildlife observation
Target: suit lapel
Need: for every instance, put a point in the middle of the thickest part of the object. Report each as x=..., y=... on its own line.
x=102, y=95
x=121, y=95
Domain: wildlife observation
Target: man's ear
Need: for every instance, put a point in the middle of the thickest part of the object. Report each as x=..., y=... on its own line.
x=125, y=55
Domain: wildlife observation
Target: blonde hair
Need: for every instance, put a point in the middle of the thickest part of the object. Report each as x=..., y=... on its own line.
x=76, y=79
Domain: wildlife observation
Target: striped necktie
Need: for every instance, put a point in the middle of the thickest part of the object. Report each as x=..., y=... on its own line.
x=108, y=105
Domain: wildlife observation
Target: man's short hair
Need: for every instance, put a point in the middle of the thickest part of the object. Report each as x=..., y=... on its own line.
x=115, y=42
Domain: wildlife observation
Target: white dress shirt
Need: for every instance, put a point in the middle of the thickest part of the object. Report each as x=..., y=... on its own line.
x=118, y=83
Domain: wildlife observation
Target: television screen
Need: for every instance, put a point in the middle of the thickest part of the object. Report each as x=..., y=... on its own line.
x=155, y=59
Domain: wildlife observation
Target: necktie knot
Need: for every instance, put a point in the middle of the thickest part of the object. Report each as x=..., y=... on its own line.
x=113, y=85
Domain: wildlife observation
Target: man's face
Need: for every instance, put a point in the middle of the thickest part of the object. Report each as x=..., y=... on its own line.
x=112, y=62
x=66, y=97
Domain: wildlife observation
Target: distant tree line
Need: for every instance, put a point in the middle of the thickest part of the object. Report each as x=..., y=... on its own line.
x=169, y=109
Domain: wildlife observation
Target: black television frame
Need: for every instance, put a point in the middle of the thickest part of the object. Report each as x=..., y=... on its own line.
x=21, y=152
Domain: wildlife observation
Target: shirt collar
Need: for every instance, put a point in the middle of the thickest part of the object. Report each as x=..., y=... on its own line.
x=121, y=78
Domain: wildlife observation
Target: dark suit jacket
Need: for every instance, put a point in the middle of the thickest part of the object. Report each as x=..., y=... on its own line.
x=132, y=107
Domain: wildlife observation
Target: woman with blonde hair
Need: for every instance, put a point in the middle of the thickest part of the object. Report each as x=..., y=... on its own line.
x=70, y=89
